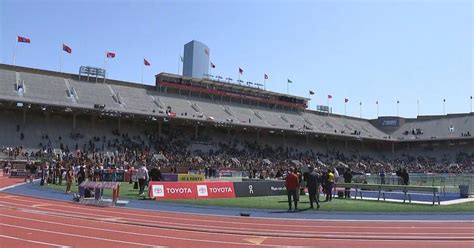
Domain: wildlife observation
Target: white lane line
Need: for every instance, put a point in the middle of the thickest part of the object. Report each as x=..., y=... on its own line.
x=235, y=230
x=131, y=233
x=262, y=224
x=199, y=228
x=325, y=237
x=230, y=231
x=102, y=217
x=34, y=241
x=15, y=185
x=77, y=235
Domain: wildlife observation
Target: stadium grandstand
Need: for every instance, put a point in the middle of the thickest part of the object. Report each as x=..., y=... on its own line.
x=201, y=122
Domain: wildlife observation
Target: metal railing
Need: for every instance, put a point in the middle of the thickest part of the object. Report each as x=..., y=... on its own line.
x=446, y=182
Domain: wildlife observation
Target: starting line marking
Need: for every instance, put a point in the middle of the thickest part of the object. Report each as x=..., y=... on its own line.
x=257, y=240
x=40, y=205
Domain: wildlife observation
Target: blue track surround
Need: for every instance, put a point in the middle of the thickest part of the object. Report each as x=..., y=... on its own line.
x=34, y=190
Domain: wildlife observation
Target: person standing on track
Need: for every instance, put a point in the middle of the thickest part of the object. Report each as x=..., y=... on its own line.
x=81, y=177
x=313, y=181
x=155, y=173
x=32, y=172
x=292, y=185
x=142, y=175
x=27, y=171
x=69, y=179
x=347, y=179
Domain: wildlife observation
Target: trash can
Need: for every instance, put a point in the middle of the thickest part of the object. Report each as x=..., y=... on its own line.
x=464, y=191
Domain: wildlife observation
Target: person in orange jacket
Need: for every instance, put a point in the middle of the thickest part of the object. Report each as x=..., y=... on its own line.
x=292, y=185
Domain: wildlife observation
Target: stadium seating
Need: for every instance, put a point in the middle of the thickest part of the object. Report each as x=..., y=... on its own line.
x=49, y=88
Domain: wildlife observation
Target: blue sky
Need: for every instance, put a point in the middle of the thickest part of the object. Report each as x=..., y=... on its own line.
x=360, y=50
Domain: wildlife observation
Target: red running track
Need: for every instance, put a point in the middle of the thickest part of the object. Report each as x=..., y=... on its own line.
x=32, y=222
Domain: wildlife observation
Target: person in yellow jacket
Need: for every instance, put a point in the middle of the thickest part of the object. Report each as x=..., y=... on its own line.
x=330, y=185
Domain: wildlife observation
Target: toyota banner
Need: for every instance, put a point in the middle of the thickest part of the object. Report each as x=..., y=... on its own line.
x=190, y=190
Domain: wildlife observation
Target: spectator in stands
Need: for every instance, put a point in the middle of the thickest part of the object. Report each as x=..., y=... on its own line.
x=347, y=179
x=313, y=181
x=113, y=171
x=292, y=185
x=142, y=175
x=382, y=176
x=399, y=175
x=405, y=176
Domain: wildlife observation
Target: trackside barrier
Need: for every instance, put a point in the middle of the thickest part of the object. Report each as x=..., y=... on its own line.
x=98, y=189
x=190, y=190
x=382, y=188
x=259, y=188
x=190, y=177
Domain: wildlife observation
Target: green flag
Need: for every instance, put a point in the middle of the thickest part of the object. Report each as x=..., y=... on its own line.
x=289, y=81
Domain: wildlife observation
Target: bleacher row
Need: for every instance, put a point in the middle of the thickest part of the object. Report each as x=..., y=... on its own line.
x=68, y=92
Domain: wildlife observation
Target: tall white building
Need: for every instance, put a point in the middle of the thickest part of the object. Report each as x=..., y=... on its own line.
x=196, y=59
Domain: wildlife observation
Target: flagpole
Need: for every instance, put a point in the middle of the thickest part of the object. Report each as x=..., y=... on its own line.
x=143, y=66
x=444, y=106
x=418, y=106
x=309, y=102
x=14, y=50
x=328, y=105
x=61, y=61
x=471, y=104
x=398, y=102
x=264, y=83
x=287, y=87
x=179, y=63
x=360, y=109
x=105, y=63
x=345, y=105
x=377, y=103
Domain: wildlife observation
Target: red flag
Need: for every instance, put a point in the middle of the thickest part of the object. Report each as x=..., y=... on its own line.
x=346, y=100
x=265, y=76
x=206, y=51
x=329, y=97
x=67, y=48
x=146, y=62
x=213, y=65
x=23, y=39
x=241, y=71
x=110, y=55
